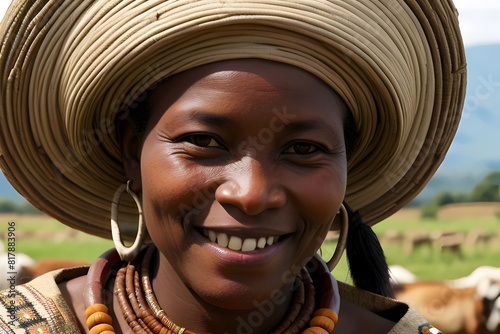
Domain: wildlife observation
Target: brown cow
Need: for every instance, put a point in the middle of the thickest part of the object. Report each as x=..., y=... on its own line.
x=452, y=310
x=27, y=273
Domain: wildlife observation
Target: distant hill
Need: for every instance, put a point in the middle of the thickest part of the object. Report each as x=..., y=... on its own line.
x=7, y=191
x=476, y=148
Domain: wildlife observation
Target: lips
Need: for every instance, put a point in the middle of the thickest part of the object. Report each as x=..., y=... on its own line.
x=240, y=244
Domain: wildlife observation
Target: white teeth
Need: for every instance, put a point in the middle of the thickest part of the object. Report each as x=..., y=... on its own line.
x=262, y=242
x=222, y=239
x=237, y=243
x=249, y=245
x=212, y=236
x=270, y=241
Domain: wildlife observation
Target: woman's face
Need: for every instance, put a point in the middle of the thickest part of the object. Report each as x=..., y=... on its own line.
x=242, y=170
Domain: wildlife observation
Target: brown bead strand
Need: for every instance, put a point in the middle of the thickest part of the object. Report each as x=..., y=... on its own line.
x=139, y=317
x=136, y=311
x=147, y=315
x=139, y=311
x=127, y=310
x=151, y=298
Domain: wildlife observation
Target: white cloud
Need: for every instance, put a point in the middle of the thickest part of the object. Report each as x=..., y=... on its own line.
x=3, y=7
x=479, y=21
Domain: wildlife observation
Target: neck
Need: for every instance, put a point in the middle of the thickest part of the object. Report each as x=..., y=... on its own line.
x=188, y=309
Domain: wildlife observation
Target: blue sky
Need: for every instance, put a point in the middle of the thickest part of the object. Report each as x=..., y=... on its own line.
x=479, y=20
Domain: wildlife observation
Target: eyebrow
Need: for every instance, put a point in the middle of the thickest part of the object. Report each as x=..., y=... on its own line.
x=221, y=120
x=312, y=124
x=204, y=117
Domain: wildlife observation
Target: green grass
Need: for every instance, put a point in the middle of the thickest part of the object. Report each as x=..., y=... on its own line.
x=42, y=237
x=491, y=224
x=429, y=263
x=76, y=249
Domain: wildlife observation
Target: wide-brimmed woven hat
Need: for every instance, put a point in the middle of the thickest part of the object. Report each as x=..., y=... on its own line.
x=68, y=67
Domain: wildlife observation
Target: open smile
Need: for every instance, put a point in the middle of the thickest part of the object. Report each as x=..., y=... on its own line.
x=241, y=244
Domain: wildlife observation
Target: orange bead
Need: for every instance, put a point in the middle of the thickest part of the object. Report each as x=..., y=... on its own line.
x=323, y=322
x=98, y=318
x=315, y=330
x=326, y=312
x=95, y=308
x=101, y=328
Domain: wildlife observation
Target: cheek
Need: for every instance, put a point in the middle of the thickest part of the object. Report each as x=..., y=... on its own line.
x=320, y=195
x=175, y=193
x=318, y=199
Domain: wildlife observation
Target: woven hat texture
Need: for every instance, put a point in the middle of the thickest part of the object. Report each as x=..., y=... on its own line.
x=68, y=67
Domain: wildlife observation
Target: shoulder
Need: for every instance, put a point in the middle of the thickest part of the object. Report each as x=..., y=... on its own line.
x=392, y=316
x=39, y=306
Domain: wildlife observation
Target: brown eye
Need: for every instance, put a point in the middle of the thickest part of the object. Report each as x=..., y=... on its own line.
x=302, y=148
x=202, y=141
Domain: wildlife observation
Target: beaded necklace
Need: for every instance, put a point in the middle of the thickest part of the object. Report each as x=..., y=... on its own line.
x=144, y=315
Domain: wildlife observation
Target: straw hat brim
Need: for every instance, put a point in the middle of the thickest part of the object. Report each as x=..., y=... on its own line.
x=67, y=67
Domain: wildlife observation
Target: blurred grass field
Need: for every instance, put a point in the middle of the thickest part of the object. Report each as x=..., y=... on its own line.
x=430, y=263
x=42, y=237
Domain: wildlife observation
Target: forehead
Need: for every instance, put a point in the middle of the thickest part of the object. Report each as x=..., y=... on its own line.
x=246, y=84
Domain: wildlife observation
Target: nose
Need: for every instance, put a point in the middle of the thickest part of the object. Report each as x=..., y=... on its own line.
x=252, y=188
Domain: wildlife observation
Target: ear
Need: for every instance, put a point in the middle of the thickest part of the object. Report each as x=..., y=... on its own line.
x=130, y=145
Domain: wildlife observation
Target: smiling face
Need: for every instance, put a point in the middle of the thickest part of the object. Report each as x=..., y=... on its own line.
x=242, y=169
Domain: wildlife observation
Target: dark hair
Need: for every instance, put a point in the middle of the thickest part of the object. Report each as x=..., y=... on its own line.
x=369, y=269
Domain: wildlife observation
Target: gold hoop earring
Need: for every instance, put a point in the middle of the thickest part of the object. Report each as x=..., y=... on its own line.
x=341, y=243
x=126, y=253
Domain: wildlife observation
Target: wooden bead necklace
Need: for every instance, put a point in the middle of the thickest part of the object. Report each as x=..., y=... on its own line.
x=144, y=315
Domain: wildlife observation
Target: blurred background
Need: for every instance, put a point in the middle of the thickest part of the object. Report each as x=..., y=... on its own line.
x=443, y=248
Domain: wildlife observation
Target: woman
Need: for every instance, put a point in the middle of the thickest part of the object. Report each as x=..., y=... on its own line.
x=243, y=132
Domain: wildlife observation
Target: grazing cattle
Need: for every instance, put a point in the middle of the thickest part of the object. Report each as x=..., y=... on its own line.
x=400, y=275
x=452, y=242
x=479, y=274
x=10, y=265
x=392, y=237
x=20, y=268
x=27, y=273
x=466, y=305
x=452, y=310
x=486, y=279
x=477, y=237
x=488, y=290
x=417, y=239
x=493, y=318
